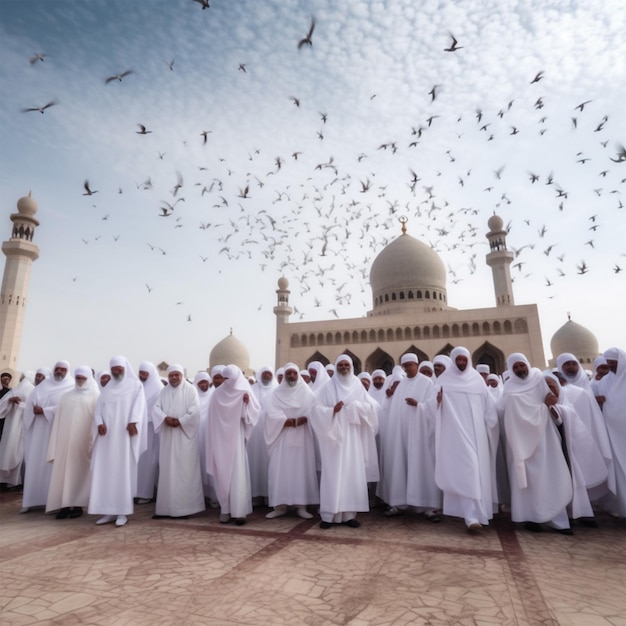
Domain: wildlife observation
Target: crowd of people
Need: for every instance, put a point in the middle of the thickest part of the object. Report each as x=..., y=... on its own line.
x=438, y=438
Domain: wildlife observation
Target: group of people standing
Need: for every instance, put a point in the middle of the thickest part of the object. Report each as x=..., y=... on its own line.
x=436, y=438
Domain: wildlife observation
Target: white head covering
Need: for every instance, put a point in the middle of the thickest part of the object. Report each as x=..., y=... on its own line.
x=322, y=374
x=408, y=357
x=442, y=359
x=84, y=370
x=286, y=397
x=176, y=368
x=580, y=379
x=45, y=371
x=379, y=373
x=99, y=375
x=467, y=381
x=217, y=369
x=152, y=386
x=483, y=368
x=305, y=373
x=427, y=364
x=366, y=376
x=68, y=373
x=202, y=375
x=331, y=368
x=597, y=362
x=612, y=354
x=515, y=384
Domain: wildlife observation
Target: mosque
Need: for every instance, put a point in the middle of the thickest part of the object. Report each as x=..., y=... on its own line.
x=410, y=312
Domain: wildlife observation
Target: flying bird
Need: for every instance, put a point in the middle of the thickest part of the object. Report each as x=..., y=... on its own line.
x=37, y=57
x=203, y=3
x=307, y=39
x=537, y=78
x=582, y=268
x=453, y=47
x=41, y=109
x=88, y=191
x=142, y=130
x=581, y=106
x=117, y=77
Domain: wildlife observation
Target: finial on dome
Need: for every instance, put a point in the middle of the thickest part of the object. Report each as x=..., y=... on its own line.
x=403, y=220
x=569, y=316
x=231, y=330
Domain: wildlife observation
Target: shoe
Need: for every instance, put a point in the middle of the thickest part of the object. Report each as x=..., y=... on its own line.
x=325, y=525
x=563, y=531
x=278, y=511
x=589, y=522
x=392, y=511
x=63, y=513
x=106, y=519
x=474, y=526
x=433, y=517
x=224, y=518
x=144, y=501
x=352, y=523
x=75, y=512
x=240, y=521
x=155, y=516
x=121, y=520
x=24, y=509
x=534, y=527
x=303, y=513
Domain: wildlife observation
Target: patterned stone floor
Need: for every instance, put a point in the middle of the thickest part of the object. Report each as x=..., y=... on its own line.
x=402, y=570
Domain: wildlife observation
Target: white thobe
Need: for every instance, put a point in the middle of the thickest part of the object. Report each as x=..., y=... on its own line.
x=258, y=455
x=69, y=450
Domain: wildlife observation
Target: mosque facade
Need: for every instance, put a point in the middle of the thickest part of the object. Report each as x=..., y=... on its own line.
x=410, y=313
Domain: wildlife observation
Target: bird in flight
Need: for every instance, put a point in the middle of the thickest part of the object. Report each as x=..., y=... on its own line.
x=142, y=130
x=582, y=268
x=203, y=3
x=88, y=191
x=581, y=106
x=453, y=47
x=40, y=109
x=37, y=57
x=117, y=77
x=307, y=39
x=537, y=78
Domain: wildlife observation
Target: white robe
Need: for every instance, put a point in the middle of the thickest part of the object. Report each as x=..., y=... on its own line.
x=69, y=450
x=540, y=481
x=345, y=443
x=229, y=424
x=207, y=481
x=115, y=455
x=12, y=443
x=292, y=466
x=258, y=455
x=180, y=481
x=37, y=429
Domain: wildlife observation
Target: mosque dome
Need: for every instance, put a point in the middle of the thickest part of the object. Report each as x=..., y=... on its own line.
x=27, y=206
x=230, y=351
x=407, y=272
x=577, y=339
x=283, y=283
x=495, y=223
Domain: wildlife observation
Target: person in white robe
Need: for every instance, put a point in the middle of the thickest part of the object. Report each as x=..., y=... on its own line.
x=426, y=368
x=540, y=480
x=233, y=411
x=576, y=389
x=176, y=419
x=12, y=444
x=69, y=450
x=466, y=439
x=614, y=412
x=38, y=419
x=345, y=422
x=148, y=467
x=318, y=374
x=202, y=383
x=408, y=437
x=440, y=364
x=120, y=420
x=495, y=386
x=258, y=455
x=600, y=370
x=376, y=389
x=291, y=444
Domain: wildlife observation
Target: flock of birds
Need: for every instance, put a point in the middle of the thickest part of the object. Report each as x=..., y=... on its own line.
x=317, y=223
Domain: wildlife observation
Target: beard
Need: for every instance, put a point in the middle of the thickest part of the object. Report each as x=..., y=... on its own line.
x=117, y=376
x=292, y=383
x=59, y=377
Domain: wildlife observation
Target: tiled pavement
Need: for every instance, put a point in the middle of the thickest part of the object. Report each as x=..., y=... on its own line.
x=401, y=570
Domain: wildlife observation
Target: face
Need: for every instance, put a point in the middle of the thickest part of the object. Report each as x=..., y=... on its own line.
x=306, y=378
x=554, y=388
x=80, y=380
x=143, y=376
x=343, y=367
x=38, y=378
x=279, y=378
x=174, y=378
x=266, y=377
x=612, y=364
x=104, y=379
x=484, y=375
x=313, y=374
x=117, y=372
x=291, y=376
x=366, y=383
x=427, y=372
x=378, y=382
x=203, y=385
x=520, y=369
x=571, y=368
x=461, y=362
x=5, y=379
x=439, y=368
x=59, y=373
x=410, y=369
x=602, y=370
x=492, y=383
x=218, y=379
x=331, y=373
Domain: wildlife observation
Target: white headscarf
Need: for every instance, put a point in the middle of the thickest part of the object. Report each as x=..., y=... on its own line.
x=152, y=386
x=580, y=379
x=84, y=370
x=322, y=375
x=467, y=381
x=286, y=397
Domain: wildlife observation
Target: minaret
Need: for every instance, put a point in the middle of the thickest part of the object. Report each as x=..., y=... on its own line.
x=500, y=259
x=20, y=252
x=282, y=311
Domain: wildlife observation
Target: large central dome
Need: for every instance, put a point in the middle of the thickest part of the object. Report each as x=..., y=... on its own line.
x=408, y=272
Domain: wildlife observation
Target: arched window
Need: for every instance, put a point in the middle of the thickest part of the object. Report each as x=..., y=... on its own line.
x=465, y=330
x=410, y=295
x=436, y=333
x=445, y=331
x=417, y=332
x=426, y=332
x=497, y=329
x=386, y=297
x=399, y=334
x=427, y=294
x=419, y=294
x=393, y=295
x=508, y=327
x=455, y=330
x=486, y=328
x=475, y=329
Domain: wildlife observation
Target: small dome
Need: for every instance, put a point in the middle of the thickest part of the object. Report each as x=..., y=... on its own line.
x=577, y=339
x=27, y=206
x=230, y=351
x=407, y=264
x=283, y=283
x=495, y=223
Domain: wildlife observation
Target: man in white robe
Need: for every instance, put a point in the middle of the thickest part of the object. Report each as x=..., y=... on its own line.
x=345, y=421
x=12, y=445
x=233, y=411
x=291, y=444
x=148, y=467
x=69, y=450
x=258, y=455
x=376, y=389
x=318, y=374
x=614, y=412
x=176, y=419
x=440, y=363
x=120, y=417
x=202, y=383
x=466, y=436
x=38, y=419
x=540, y=480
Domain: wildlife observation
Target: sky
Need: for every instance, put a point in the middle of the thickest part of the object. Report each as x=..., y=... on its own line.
x=261, y=158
